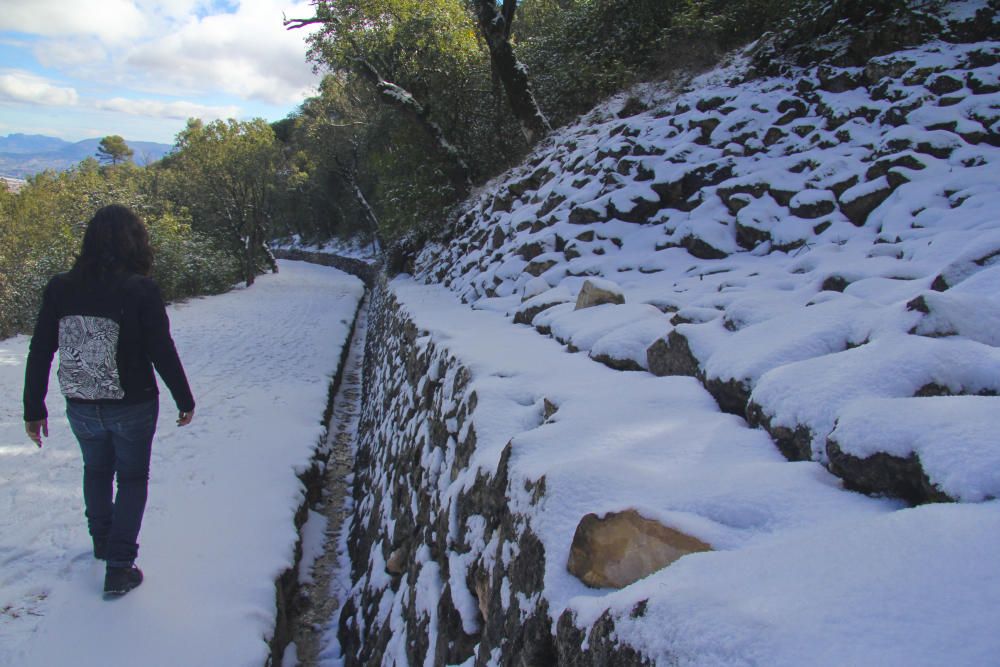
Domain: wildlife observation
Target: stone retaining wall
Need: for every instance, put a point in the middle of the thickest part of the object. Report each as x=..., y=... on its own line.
x=445, y=568
x=356, y=267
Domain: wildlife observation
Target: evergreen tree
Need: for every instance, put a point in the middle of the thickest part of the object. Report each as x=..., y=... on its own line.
x=227, y=174
x=113, y=149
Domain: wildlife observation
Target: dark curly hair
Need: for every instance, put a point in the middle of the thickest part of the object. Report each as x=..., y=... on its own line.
x=115, y=241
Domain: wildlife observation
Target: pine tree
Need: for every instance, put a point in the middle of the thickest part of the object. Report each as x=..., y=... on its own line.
x=113, y=149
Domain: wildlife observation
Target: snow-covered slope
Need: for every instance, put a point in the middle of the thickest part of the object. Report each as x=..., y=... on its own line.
x=483, y=449
x=815, y=245
x=810, y=232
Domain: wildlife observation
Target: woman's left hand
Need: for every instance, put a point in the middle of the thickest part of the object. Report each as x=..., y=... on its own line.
x=36, y=430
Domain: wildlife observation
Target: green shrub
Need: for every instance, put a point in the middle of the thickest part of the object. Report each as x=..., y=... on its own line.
x=41, y=228
x=186, y=263
x=587, y=50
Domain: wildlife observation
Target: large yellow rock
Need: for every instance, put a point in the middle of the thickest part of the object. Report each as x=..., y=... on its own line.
x=623, y=547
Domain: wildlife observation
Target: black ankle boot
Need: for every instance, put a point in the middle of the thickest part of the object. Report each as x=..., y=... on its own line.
x=120, y=580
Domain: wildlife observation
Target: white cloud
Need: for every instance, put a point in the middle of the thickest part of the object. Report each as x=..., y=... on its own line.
x=110, y=20
x=30, y=89
x=172, y=110
x=247, y=53
x=173, y=46
x=224, y=58
x=72, y=52
x=16, y=43
x=172, y=9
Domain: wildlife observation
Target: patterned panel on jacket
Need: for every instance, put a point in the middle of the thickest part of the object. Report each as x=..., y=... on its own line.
x=88, y=369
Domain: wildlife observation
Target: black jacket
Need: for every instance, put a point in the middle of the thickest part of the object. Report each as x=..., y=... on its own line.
x=127, y=316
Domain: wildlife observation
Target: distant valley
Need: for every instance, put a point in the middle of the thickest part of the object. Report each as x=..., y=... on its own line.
x=22, y=155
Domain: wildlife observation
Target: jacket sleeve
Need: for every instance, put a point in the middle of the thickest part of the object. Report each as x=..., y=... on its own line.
x=159, y=346
x=44, y=343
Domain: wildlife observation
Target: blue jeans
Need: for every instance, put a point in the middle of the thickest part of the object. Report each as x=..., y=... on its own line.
x=115, y=440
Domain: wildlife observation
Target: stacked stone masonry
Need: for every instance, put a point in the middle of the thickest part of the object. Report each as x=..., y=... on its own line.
x=420, y=540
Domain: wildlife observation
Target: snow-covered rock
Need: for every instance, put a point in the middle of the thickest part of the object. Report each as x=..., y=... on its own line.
x=597, y=291
x=933, y=448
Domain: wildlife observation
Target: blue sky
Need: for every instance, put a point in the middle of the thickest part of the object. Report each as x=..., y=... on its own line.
x=141, y=68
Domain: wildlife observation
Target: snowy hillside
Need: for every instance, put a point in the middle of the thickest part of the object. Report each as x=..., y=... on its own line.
x=485, y=452
x=811, y=241
x=818, y=246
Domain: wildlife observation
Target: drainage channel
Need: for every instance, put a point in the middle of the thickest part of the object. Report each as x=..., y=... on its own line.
x=324, y=571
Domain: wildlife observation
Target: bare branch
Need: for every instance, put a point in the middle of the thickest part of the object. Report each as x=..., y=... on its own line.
x=293, y=24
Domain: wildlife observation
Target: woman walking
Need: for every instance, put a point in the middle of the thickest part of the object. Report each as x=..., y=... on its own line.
x=107, y=319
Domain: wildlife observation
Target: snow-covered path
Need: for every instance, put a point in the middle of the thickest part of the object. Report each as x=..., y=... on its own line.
x=218, y=528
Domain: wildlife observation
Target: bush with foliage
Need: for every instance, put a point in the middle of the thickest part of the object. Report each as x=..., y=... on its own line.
x=359, y=153
x=41, y=229
x=579, y=52
x=187, y=263
x=353, y=135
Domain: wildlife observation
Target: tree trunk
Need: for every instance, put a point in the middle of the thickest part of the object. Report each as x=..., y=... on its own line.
x=349, y=172
x=272, y=261
x=370, y=216
x=249, y=270
x=495, y=25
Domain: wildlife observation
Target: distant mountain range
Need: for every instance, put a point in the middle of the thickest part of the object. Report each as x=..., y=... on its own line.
x=22, y=155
